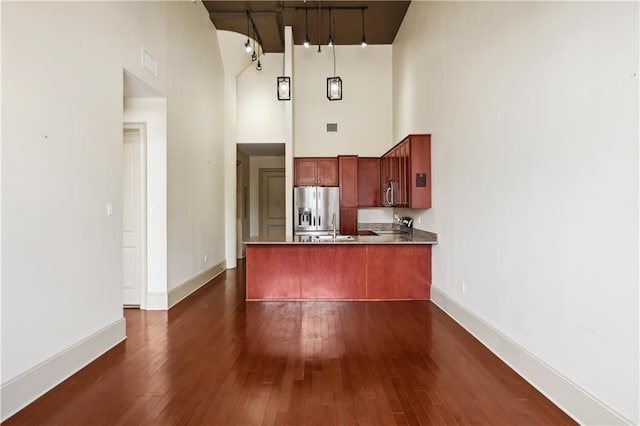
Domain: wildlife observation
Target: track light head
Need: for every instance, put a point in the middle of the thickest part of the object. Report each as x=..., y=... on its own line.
x=363, y=43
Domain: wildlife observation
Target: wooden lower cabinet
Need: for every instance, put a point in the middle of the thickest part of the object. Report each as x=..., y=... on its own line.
x=338, y=271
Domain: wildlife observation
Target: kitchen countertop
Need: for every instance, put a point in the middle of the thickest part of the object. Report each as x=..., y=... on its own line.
x=419, y=237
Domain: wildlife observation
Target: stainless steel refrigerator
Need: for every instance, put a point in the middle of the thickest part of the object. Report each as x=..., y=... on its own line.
x=315, y=209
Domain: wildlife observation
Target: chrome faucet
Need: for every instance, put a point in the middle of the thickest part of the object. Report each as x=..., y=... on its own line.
x=333, y=222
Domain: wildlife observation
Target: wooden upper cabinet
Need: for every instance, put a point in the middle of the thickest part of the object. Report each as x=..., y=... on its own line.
x=328, y=172
x=368, y=182
x=305, y=171
x=348, y=171
x=408, y=164
x=419, y=171
x=315, y=171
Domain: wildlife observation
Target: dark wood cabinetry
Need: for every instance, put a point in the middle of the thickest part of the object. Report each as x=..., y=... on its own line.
x=348, y=177
x=315, y=171
x=405, y=173
x=338, y=271
x=368, y=182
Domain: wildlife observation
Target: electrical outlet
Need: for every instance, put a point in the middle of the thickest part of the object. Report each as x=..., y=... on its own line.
x=205, y=258
x=463, y=287
x=109, y=209
x=419, y=220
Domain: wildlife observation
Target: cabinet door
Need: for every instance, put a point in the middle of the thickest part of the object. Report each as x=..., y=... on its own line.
x=369, y=182
x=327, y=171
x=348, y=176
x=403, y=192
x=420, y=166
x=348, y=221
x=305, y=171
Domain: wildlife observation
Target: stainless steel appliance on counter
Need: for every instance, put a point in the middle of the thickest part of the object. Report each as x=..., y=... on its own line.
x=316, y=209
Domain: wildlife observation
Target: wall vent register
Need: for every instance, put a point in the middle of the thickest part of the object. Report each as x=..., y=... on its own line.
x=332, y=127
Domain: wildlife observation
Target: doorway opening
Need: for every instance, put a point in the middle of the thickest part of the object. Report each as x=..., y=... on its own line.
x=261, y=194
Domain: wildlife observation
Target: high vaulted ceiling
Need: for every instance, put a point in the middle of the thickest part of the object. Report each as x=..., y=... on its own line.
x=382, y=20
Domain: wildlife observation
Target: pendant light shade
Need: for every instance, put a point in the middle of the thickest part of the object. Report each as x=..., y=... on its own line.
x=284, y=88
x=334, y=88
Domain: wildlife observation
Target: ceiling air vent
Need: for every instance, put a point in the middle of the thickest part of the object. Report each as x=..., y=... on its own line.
x=332, y=127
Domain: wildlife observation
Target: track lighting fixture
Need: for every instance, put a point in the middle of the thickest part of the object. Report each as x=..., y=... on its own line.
x=364, y=39
x=259, y=65
x=253, y=55
x=307, y=41
x=247, y=44
x=330, y=43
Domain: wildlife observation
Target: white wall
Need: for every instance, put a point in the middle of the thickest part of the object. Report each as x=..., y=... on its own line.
x=235, y=61
x=196, y=151
x=62, y=153
x=533, y=108
x=257, y=163
x=364, y=115
x=261, y=117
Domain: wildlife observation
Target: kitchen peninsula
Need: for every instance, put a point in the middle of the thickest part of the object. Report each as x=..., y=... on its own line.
x=389, y=266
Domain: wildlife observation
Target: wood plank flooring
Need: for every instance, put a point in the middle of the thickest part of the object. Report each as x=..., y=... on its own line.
x=217, y=360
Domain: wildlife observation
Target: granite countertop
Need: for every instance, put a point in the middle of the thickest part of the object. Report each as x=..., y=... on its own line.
x=418, y=237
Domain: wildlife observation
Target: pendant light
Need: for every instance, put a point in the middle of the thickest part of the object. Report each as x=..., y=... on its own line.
x=283, y=83
x=284, y=88
x=307, y=41
x=364, y=39
x=334, y=84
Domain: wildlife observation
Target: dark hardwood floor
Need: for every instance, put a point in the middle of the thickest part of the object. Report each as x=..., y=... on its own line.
x=215, y=359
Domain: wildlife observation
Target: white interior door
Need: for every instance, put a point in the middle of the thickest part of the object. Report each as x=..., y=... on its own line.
x=272, y=203
x=131, y=223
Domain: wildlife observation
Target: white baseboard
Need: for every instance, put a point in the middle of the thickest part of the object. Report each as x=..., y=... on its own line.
x=569, y=397
x=177, y=294
x=157, y=301
x=32, y=384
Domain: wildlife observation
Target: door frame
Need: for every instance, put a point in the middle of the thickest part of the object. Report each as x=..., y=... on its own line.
x=261, y=195
x=142, y=239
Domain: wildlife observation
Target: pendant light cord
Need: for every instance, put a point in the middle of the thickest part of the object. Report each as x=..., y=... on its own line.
x=333, y=45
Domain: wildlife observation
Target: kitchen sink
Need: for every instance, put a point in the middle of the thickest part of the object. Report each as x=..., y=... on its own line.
x=331, y=238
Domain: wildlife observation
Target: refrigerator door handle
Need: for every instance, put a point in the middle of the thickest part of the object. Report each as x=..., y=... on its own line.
x=319, y=220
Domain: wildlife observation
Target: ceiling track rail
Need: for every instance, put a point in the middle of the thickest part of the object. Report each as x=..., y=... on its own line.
x=250, y=15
